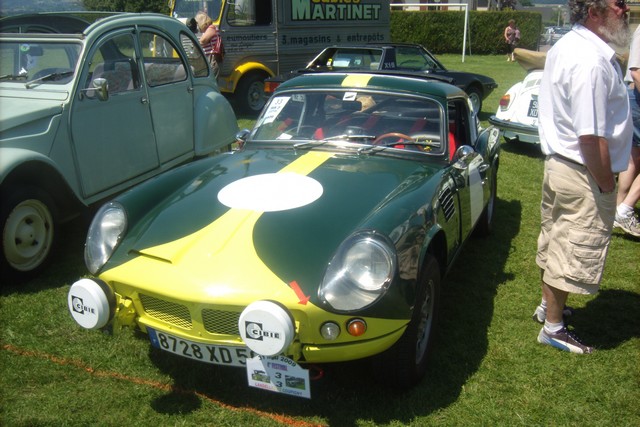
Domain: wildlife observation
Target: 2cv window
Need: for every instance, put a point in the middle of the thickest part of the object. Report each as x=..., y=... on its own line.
x=195, y=58
x=114, y=60
x=162, y=62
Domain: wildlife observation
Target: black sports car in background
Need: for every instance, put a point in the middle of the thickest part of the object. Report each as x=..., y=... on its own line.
x=396, y=58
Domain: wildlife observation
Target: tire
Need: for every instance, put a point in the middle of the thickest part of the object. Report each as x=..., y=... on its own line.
x=404, y=364
x=475, y=96
x=485, y=222
x=249, y=94
x=29, y=226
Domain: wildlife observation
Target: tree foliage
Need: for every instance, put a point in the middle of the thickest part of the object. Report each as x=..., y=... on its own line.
x=159, y=6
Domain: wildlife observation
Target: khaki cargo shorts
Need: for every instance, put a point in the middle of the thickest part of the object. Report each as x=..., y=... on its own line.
x=576, y=227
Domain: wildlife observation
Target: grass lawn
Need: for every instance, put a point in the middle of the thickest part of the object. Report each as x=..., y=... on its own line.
x=487, y=368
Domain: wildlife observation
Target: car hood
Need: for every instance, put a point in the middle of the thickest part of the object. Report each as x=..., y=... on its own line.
x=18, y=108
x=264, y=217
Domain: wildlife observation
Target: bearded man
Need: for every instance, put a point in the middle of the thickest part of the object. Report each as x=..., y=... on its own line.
x=585, y=130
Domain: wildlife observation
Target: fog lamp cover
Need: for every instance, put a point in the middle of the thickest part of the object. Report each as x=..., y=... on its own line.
x=266, y=328
x=91, y=303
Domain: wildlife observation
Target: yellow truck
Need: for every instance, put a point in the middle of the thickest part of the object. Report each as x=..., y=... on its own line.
x=264, y=38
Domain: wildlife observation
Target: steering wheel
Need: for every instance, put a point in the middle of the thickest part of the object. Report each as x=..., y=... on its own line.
x=392, y=135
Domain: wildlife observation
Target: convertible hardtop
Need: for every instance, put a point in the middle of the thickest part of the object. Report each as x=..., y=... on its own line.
x=376, y=79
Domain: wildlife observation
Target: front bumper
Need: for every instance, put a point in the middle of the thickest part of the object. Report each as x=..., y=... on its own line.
x=514, y=131
x=95, y=305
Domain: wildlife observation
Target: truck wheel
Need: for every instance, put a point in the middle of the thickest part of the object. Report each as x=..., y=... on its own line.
x=28, y=221
x=249, y=94
x=405, y=363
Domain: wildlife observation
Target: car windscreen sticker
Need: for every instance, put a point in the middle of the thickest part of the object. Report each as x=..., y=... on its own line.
x=349, y=96
x=275, y=106
x=271, y=192
x=475, y=192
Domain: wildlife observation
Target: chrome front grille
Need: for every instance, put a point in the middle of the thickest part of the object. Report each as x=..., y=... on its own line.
x=165, y=311
x=220, y=321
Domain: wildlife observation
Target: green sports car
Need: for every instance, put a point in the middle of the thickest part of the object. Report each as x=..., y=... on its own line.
x=323, y=238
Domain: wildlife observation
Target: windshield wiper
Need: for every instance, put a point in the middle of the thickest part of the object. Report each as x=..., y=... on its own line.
x=50, y=76
x=309, y=144
x=13, y=76
x=347, y=137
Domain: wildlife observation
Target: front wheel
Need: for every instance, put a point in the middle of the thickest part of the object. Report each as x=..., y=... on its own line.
x=28, y=231
x=475, y=96
x=405, y=363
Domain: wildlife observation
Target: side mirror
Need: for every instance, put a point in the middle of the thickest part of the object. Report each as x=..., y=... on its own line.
x=464, y=151
x=100, y=89
x=463, y=157
x=241, y=137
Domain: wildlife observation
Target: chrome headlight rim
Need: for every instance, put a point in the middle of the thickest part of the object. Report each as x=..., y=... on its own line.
x=353, y=281
x=105, y=234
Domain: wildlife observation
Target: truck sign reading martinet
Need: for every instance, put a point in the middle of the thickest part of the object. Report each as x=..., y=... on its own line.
x=263, y=38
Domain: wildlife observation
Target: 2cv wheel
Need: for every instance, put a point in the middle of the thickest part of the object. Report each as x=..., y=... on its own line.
x=28, y=223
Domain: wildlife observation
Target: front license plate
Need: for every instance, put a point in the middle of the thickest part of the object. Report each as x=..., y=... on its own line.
x=533, y=108
x=215, y=354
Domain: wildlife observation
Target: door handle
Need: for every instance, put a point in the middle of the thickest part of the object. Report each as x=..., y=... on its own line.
x=144, y=100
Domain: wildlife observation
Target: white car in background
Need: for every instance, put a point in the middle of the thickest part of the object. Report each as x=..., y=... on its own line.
x=517, y=115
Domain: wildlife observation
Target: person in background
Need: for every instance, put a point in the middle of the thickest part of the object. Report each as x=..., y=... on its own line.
x=629, y=180
x=512, y=37
x=193, y=25
x=209, y=40
x=585, y=130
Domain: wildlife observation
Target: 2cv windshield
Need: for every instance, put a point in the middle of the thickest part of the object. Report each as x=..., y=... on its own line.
x=50, y=62
x=354, y=116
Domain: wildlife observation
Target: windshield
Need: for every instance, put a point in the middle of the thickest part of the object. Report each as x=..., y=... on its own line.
x=25, y=61
x=186, y=9
x=369, y=118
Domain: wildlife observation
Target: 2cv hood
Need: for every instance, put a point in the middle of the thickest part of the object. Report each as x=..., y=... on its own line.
x=26, y=107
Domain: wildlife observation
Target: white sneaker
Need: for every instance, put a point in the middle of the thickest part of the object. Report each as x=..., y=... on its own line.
x=564, y=340
x=628, y=223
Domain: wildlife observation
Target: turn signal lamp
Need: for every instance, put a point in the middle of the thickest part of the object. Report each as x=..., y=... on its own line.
x=357, y=327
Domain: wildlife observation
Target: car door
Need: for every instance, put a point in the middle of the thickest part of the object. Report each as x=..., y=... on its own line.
x=466, y=169
x=170, y=92
x=113, y=138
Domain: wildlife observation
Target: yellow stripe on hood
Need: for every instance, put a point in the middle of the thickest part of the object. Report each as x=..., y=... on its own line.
x=225, y=247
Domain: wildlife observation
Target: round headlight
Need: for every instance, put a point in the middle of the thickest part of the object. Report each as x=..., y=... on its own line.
x=360, y=271
x=368, y=264
x=105, y=232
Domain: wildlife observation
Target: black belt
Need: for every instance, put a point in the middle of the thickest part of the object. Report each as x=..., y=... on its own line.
x=565, y=159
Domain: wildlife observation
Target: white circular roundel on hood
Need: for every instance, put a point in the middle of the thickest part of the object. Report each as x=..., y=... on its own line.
x=271, y=192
